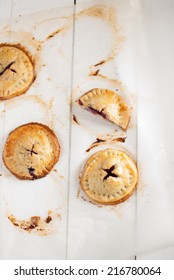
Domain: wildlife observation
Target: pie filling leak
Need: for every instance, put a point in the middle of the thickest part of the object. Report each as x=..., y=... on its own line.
x=108, y=140
x=31, y=172
x=80, y=102
x=94, y=111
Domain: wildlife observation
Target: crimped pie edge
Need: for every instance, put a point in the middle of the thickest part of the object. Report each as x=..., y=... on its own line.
x=56, y=155
x=90, y=159
x=32, y=61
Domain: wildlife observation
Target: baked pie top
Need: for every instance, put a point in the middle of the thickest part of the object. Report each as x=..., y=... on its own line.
x=108, y=104
x=31, y=151
x=16, y=71
x=109, y=177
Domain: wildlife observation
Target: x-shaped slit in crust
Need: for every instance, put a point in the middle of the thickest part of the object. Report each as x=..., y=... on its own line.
x=32, y=150
x=109, y=173
x=8, y=67
x=12, y=70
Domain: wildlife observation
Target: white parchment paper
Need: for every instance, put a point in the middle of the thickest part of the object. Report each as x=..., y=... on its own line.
x=68, y=44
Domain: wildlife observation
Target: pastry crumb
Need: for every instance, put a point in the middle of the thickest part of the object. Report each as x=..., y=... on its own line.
x=35, y=224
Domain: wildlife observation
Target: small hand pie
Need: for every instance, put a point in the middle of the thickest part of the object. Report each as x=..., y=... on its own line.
x=16, y=71
x=109, y=177
x=107, y=104
x=31, y=151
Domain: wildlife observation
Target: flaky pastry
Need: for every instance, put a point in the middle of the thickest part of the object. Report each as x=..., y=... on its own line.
x=108, y=104
x=16, y=71
x=109, y=177
x=31, y=151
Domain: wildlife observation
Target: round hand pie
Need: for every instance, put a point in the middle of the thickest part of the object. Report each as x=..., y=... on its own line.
x=31, y=151
x=107, y=104
x=109, y=177
x=16, y=71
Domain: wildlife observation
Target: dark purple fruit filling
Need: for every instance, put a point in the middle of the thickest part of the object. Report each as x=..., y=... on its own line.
x=80, y=102
x=109, y=173
x=97, y=112
x=31, y=172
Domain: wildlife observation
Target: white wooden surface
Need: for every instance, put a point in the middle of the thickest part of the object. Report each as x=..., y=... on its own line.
x=47, y=102
x=155, y=86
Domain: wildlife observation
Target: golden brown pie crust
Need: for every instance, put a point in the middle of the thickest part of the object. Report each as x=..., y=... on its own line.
x=31, y=151
x=16, y=70
x=108, y=104
x=109, y=177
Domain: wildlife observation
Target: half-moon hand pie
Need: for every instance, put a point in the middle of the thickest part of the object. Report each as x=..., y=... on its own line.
x=108, y=104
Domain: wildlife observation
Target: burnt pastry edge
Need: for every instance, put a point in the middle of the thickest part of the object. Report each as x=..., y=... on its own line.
x=27, y=53
x=99, y=113
x=56, y=153
x=112, y=202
